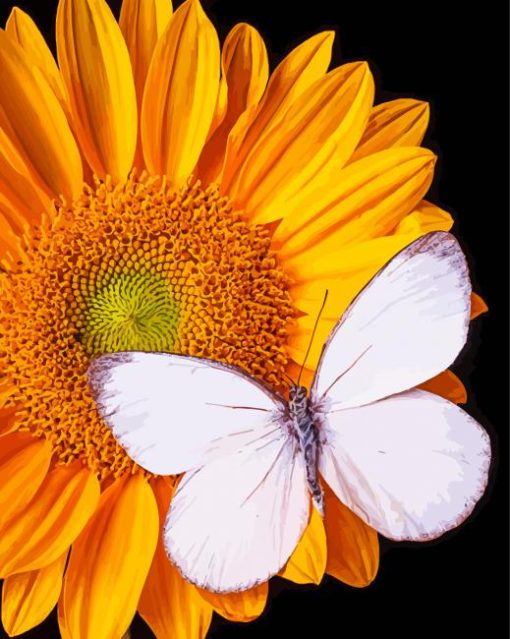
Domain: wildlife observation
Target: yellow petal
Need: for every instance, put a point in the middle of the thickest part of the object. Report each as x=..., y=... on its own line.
x=335, y=266
x=307, y=563
x=294, y=75
x=62, y=623
x=142, y=22
x=28, y=598
x=427, y=217
x=478, y=306
x=238, y=606
x=353, y=547
x=51, y=521
x=245, y=68
x=95, y=65
x=400, y=122
x=319, y=131
x=110, y=560
x=179, y=103
x=20, y=202
x=448, y=385
x=24, y=463
x=36, y=125
x=368, y=200
x=170, y=605
x=22, y=29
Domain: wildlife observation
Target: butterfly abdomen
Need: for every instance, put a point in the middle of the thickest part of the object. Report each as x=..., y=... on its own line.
x=308, y=437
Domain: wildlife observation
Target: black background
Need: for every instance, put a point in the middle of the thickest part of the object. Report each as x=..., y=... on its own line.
x=457, y=61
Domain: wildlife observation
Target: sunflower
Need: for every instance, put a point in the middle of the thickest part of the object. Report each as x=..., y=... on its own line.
x=158, y=194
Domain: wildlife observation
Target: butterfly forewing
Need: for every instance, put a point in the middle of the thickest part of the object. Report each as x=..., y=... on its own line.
x=406, y=326
x=236, y=518
x=172, y=413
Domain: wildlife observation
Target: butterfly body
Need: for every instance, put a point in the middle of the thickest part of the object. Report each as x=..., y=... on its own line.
x=307, y=429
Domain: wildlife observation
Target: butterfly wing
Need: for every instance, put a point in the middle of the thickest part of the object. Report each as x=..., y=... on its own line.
x=172, y=413
x=235, y=522
x=406, y=326
x=412, y=466
x=409, y=463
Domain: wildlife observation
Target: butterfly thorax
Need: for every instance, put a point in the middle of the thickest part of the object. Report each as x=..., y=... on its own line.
x=307, y=433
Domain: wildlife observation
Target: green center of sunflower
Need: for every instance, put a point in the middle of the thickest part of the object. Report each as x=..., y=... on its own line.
x=132, y=312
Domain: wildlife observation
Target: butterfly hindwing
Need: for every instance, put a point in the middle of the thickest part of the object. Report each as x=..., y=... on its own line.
x=412, y=466
x=235, y=522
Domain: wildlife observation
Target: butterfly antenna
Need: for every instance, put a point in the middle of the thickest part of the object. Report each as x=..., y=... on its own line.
x=313, y=335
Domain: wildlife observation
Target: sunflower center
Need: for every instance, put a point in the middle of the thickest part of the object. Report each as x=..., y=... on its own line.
x=134, y=266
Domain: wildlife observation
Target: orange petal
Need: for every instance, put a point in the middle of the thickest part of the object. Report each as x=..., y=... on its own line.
x=448, y=385
x=110, y=560
x=245, y=68
x=307, y=374
x=368, y=199
x=221, y=107
x=37, y=127
x=51, y=521
x=294, y=75
x=238, y=606
x=353, y=547
x=179, y=104
x=478, y=306
x=400, y=122
x=8, y=420
x=6, y=391
x=170, y=605
x=95, y=65
x=142, y=22
x=10, y=245
x=22, y=29
x=24, y=463
x=320, y=130
x=28, y=598
x=307, y=563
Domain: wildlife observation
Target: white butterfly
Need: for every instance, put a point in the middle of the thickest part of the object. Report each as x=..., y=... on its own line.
x=411, y=464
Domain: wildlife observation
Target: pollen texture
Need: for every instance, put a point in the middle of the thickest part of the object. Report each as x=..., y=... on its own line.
x=134, y=266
